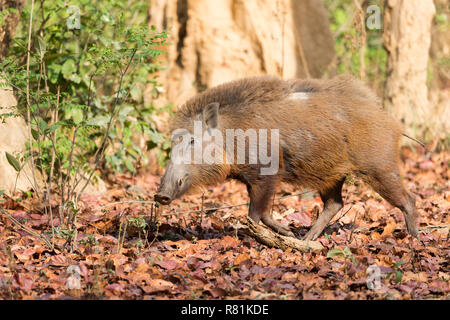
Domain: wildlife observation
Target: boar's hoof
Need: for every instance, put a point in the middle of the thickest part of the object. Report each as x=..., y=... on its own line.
x=285, y=232
x=278, y=227
x=312, y=235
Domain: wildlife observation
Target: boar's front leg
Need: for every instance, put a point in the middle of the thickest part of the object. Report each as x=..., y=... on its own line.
x=261, y=196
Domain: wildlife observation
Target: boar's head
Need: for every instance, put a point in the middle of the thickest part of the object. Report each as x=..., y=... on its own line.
x=184, y=173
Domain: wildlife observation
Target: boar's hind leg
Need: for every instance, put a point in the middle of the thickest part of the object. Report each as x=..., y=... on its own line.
x=390, y=187
x=332, y=203
x=261, y=196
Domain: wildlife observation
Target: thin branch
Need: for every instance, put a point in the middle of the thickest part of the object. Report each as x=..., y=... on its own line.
x=36, y=186
x=414, y=139
x=100, y=152
x=26, y=229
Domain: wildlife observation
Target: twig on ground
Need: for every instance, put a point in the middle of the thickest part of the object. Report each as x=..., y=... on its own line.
x=274, y=240
x=353, y=227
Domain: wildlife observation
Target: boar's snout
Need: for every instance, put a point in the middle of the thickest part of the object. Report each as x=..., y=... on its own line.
x=174, y=184
x=163, y=198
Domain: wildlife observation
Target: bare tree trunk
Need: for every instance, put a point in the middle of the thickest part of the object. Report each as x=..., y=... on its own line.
x=215, y=41
x=407, y=39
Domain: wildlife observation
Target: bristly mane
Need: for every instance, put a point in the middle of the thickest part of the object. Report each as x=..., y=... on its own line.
x=263, y=89
x=237, y=94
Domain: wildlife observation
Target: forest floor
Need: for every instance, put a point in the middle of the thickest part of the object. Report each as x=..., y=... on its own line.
x=126, y=249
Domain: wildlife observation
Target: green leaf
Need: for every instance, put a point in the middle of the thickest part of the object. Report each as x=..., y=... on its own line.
x=398, y=264
x=347, y=251
x=68, y=69
x=43, y=125
x=35, y=134
x=51, y=128
x=129, y=165
x=151, y=144
x=398, y=276
x=125, y=111
x=75, y=78
x=54, y=70
x=155, y=136
x=99, y=121
x=135, y=93
x=13, y=161
x=335, y=252
x=341, y=16
x=75, y=114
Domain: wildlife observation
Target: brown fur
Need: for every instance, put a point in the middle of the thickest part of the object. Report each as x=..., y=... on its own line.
x=339, y=129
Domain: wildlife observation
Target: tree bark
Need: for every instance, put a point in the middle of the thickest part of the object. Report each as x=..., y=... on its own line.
x=407, y=38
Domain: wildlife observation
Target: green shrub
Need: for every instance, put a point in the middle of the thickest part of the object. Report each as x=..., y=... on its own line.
x=83, y=95
x=348, y=36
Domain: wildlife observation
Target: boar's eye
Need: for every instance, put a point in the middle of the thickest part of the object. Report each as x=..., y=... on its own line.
x=192, y=141
x=182, y=180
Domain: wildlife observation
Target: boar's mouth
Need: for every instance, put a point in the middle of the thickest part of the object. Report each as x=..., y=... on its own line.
x=163, y=199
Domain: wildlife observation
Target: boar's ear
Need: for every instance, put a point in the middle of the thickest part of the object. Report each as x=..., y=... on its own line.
x=211, y=115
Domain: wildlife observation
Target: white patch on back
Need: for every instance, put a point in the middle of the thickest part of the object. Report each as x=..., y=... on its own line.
x=299, y=96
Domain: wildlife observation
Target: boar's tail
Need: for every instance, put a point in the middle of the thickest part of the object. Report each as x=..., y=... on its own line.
x=414, y=139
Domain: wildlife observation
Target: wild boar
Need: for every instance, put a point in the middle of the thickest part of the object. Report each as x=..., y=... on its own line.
x=318, y=132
